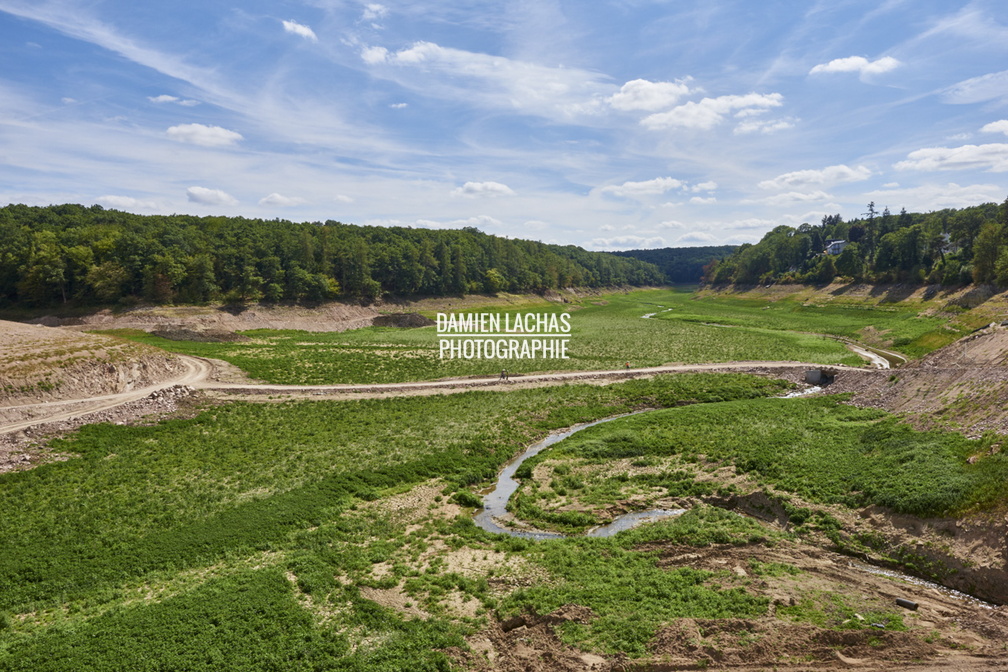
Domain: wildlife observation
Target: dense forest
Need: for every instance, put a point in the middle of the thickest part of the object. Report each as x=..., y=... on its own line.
x=89, y=255
x=681, y=265
x=950, y=247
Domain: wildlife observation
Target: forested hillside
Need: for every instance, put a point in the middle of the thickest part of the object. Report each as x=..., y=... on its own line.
x=681, y=265
x=951, y=247
x=89, y=255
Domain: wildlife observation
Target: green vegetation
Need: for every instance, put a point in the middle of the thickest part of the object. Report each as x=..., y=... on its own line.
x=829, y=610
x=817, y=448
x=596, y=573
x=259, y=527
x=681, y=265
x=606, y=333
x=906, y=326
x=950, y=247
x=88, y=255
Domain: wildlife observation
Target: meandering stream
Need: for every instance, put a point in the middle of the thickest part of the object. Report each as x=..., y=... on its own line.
x=495, y=502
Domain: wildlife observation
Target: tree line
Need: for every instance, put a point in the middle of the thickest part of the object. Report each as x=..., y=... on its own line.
x=681, y=265
x=948, y=247
x=92, y=256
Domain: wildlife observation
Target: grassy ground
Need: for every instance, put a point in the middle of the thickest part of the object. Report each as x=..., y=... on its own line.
x=816, y=447
x=606, y=333
x=174, y=546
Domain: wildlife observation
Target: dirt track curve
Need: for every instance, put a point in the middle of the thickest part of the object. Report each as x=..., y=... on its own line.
x=199, y=375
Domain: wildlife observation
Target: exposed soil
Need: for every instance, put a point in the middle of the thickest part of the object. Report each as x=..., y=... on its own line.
x=326, y=317
x=944, y=632
x=39, y=364
x=963, y=386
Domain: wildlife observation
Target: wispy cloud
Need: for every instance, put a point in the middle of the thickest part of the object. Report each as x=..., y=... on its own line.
x=300, y=30
x=165, y=98
x=710, y=112
x=281, y=201
x=659, y=185
x=939, y=196
x=483, y=189
x=792, y=197
x=764, y=126
x=205, y=196
x=78, y=24
x=492, y=81
x=991, y=86
x=206, y=136
x=627, y=243
x=827, y=176
x=374, y=11
x=992, y=157
x=127, y=203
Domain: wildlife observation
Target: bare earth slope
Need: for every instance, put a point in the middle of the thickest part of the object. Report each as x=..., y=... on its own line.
x=327, y=317
x=39, y=364
x=963, y=386
x=54, y=375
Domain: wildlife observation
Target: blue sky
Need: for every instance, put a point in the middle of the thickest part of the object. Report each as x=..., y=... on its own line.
x=606, y=124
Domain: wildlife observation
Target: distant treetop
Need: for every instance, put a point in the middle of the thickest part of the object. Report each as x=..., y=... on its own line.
x=89, y=255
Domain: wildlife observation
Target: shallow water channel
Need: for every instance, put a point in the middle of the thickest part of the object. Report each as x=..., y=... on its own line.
x=495, y=506
x=495, y=502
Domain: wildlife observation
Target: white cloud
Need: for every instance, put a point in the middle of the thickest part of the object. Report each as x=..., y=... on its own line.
x=709, y=112
x=480, y=189
x=281, y=201
x=858, y=64
x=640, y=94
x=301, y=30
x=374, y=11
x=126, y=203
x=77, y=24
x=399, y=106
x=482, y=222
x=794, y=197
x=940, y=196
x=491, y=81
x=342, y=198
x=751, y=224
x=830, y=175
x=992, y=157
x=671, y=224
x=991, y=86
x=996, y=127
x=205, y=196
x=627, y=243
x=659, y=185
x=68, y=101
x=165, y=98
x=763, y=126
x=698, y=200
x=704, y=186
x=207, y=136
x=374, y=55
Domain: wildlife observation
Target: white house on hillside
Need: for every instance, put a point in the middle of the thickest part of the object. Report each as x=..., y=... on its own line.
x=835, y=246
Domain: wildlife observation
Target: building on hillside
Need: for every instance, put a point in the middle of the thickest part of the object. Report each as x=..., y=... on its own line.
x=835, y=246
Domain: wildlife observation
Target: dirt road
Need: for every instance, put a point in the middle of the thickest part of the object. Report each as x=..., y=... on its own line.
x=195, y=372
x=199, y=374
